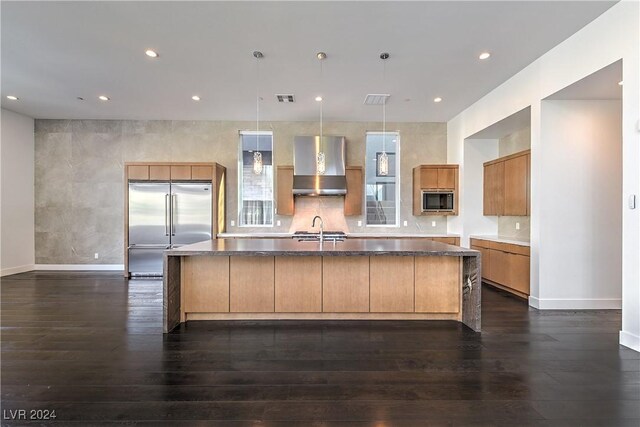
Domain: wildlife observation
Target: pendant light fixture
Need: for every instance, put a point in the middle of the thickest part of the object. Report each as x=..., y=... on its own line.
x=321, y=164
x=383, y=160
x=257, y=155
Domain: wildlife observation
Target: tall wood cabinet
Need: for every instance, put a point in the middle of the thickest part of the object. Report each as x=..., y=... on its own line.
x=507, y=185
x=437, y=178
x=178, y=171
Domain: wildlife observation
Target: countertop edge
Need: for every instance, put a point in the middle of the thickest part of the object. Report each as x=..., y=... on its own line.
x=500, y=239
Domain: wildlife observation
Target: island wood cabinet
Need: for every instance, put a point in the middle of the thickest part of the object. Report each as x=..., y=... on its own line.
x=285, y=202
x=505, y=265
x=434, y=178
x=322, y=284
x=506, y=188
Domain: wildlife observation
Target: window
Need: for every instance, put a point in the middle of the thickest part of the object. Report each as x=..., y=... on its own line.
x=382, y=191
x=255, y=192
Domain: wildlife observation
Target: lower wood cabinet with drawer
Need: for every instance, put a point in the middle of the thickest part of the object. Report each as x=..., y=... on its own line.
x=504, y=265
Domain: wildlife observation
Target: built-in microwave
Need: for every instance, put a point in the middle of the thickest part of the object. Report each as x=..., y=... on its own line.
x=438, y=201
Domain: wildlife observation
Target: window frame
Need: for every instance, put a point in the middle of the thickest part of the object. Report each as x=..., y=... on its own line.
x=397, y=177
x=240, y=184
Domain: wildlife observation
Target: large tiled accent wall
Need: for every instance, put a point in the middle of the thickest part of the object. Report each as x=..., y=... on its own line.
x=79, y=188
x=519, y=140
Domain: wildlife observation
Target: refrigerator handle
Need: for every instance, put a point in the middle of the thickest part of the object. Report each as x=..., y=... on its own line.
x=174, y=208
x=166, y=214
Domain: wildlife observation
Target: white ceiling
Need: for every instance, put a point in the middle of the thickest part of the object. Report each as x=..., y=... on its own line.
x=53, y=52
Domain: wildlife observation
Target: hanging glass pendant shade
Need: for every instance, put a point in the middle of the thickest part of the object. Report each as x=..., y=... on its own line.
x=383, y=164
x=257, y=162
x=321, y=165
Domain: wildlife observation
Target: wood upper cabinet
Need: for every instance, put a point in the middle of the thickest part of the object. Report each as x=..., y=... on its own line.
x=353, y=198
x=284, y=190
x=516, y=186
x=507, y=185
x=436, y=178
x=428, y=177
x=201, y=172
x=447, y=178
x=159, y=172
x=493, y=189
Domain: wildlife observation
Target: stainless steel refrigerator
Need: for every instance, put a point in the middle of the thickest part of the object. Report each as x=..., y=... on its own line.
x=163, y=216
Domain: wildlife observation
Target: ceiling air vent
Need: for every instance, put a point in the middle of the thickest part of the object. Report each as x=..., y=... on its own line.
x=285, y=97
x=376, y=99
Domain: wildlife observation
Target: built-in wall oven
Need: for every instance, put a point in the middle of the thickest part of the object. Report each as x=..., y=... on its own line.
x=438, y=201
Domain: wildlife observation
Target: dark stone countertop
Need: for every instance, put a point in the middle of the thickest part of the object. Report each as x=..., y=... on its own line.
x=349, y=247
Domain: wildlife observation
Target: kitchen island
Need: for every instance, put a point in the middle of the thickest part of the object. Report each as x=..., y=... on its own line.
x=356, y=279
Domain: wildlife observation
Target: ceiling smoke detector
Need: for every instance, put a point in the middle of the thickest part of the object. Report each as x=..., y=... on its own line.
x=376, y=99
x=285, y=98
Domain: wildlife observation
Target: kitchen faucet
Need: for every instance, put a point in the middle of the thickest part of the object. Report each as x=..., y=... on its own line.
x=313, y=224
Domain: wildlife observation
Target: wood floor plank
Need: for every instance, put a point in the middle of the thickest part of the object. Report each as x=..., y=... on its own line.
x=90, y=346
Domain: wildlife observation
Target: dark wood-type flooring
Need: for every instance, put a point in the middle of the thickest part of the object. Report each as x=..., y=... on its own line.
x=90, y=346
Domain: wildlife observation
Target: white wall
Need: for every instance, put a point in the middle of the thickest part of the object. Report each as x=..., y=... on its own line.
x=612, y=36
x=17, y=253
x=476, y=152
x=582, y=216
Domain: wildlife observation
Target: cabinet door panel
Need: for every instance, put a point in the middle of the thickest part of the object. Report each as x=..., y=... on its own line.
x=486, y=261
x=284, y=188
x=139, y=172
x=519, y=273
x=251, y=284
x=515, y=186
x=160, y=172
x=180, y=172
x=499, y=267
x=353, y=198
x=494, y=189
x=202, y=172
x=429, y=178
x=206, y=284
x=446, y=178
x=298, y=284
x=437, y=284
x=391, y=284
x=345, y=284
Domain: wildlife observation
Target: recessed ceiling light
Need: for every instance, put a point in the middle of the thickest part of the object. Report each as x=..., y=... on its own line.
x=620, y=82
x=484, y=55
x=437, y=99
x=12, y=97
x=151, y=53
x=318, y=98
x=195, y=98
x=103, y=98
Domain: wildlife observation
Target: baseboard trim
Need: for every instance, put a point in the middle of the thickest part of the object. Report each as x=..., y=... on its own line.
x=16, y=270
x=80, y=267
x=575, y=304
x=630, y=340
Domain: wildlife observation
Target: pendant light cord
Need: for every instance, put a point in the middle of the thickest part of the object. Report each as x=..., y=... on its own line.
x=258, y=103
x=322, y=101
x=384, y=106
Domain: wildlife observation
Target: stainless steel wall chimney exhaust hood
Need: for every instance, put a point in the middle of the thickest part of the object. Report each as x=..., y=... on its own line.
x=306, y=180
